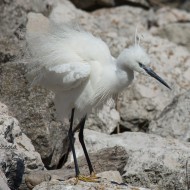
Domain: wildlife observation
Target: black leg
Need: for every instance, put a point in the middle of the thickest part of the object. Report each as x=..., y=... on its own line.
x=71, y=139
x=81, y=139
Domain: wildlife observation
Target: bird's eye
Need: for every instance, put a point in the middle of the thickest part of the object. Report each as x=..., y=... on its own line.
x=140, y=64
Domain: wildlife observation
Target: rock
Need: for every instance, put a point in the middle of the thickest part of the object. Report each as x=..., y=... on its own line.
x=186, y=74
x=154, y=162
x=64, y=12
x=174, y=120
x=104, y=160
x=13, y=14
x=3, y=109
x=17, y=154
x=70, y=185
x=35, y=113
x=168, y=15
x=172, y=24
x=165, y=3
x=3, y=182
x=186, y=6
x=111, y=176
x=106, y=120
x=116, y=26
x=177, y=33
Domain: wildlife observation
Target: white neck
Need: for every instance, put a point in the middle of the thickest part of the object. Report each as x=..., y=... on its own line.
x=124, y=75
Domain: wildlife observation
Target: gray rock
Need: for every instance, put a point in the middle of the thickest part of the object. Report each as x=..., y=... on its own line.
x=172, y=24
x=111, y=176
x=3, y=181
x=13, y=14
x=70, y=185
x=174, y=120
x=17, y=154
x=177, y=33
x=35, y=113
x=186, y=6
x=3, y=109
x=106, y=120
x=165, y=3
x=154, y=162
x=104, y=160
x=168, y=15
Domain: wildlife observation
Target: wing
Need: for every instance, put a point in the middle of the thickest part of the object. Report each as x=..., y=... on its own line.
x=61, y=57
x=63, y=77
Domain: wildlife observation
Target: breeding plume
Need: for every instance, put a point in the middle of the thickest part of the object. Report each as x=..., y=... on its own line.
x=80, y=70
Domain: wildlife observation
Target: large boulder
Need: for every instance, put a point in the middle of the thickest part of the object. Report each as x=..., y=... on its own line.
x=34, y=112
x=153, y=162
x=105, y=160
x=174, y=120
x=17, y=154
x=172, y=24
x=70, y=184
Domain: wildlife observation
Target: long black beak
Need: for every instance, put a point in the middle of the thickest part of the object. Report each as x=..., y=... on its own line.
x=154, y=75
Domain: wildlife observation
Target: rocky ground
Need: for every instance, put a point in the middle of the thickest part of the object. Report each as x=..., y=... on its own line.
x=141, y=142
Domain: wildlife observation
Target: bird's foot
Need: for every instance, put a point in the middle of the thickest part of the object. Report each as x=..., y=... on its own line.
x=91, y=178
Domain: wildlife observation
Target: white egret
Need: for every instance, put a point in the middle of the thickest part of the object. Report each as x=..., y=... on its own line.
x=80, y=70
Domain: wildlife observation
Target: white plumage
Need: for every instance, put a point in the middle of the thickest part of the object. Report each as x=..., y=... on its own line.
x=79, y=68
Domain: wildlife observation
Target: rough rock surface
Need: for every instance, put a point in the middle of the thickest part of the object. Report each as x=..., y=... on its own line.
x=174, y=120
x=35, y=113
x=70, y=185
x=17, y=154
x=106, y=120
x=175, y=27
x=154, y=162
x=108, y=159
x=177, y=33
x=3, y=181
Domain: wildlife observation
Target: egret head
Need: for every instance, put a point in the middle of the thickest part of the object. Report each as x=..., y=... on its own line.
x=136, y=59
